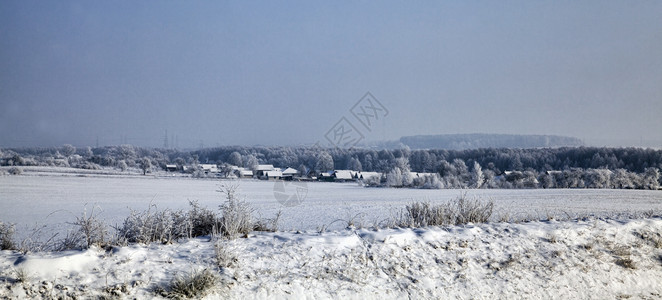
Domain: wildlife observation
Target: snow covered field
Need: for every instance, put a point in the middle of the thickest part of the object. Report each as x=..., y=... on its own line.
x=31, y=201
x=593, y=258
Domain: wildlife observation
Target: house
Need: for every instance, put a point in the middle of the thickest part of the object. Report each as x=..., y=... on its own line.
x=326, y=176
x=368, y=175
x=209, y=168
x=242, y=172
x=260, y=170
x=171, y=168
x=289, y=173
x=342, y=175
x=272, y=175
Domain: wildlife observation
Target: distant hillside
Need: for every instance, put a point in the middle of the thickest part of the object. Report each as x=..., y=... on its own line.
x=480, y=140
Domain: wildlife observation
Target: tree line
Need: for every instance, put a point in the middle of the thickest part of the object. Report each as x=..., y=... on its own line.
x=569, y=167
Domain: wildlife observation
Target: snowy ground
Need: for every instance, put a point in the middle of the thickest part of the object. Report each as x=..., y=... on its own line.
x=593, y=259
x=34, y=201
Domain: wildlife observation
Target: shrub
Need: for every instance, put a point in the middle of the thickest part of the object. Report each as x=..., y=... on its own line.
x=456, y=212
x=268, y=225
x=167, y=225
x=155, y=226
x=472, y=210
x=15, y=171
x=420, y=214
x=91, y=230
x=203, y=220
x=236, y=214
x=7, y=236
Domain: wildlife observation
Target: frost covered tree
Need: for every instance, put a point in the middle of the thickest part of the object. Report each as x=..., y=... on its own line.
x=250, y=161
x=122, y=165
x=324, y=162
x=145, y=165
x=394, y=178
x=477, y=177
x=88, y=152
x=461, y=169
x=400, y=174
x=235, y=159
x=367, y=163
x=620, y=179
x=651, y=179
x=490, y=179
x=68, y=150
x=597, y=178
x=546, y=181
x=529, y=179
x=354, y=164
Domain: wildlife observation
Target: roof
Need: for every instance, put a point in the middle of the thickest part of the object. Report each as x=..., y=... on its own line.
x=367, y=175
x=273, y=173
x=421, y=174
x=290, y=171
x=343, y=174
x=208, y=167
x=244, y=172
x=264, y=168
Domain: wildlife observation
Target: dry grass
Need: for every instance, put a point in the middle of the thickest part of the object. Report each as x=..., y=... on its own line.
x=651, y=237
x=225, y=254
x=626, y=262
x=193, y=285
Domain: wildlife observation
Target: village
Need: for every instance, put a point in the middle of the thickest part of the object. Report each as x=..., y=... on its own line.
x=270, y=172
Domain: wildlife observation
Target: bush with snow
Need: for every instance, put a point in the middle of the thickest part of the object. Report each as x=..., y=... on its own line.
x=7, y=236
x=154, y=226
x=459, y=211
x=235, y=213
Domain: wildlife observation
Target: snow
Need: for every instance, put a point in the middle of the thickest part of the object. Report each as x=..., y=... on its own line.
x=314, y=256
x=36, y=201
x=540, y=260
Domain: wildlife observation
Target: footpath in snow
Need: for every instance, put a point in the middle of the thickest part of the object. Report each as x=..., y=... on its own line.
x=589, y=259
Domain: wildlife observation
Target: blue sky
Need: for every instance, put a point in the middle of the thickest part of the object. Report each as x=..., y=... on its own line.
x=284, y=72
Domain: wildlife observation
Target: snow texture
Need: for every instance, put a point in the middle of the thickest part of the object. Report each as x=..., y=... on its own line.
x=590, y=259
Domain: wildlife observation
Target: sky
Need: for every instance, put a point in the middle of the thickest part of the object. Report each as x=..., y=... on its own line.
x=214, y=73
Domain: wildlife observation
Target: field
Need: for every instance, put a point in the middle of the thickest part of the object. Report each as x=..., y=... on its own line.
x=314, y=254
x=54, y=200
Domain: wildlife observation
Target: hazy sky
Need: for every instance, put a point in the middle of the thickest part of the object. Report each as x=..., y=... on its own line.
x=283, y=73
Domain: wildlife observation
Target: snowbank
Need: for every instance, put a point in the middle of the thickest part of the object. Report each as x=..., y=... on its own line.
x=591, y=259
